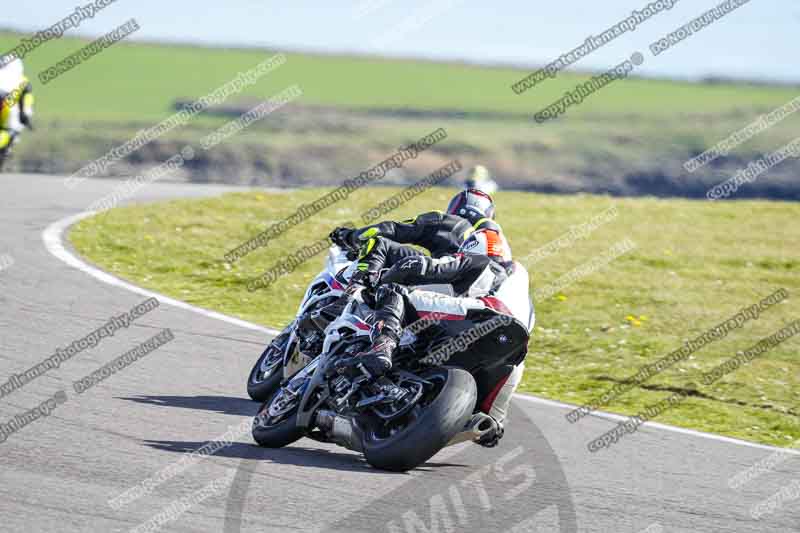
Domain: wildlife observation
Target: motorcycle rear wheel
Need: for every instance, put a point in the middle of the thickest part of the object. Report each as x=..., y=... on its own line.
x=432, y=427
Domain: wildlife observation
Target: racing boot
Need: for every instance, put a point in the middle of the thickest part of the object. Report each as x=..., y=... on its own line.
x=499, y=408
x=385, y=335
x=491, y=438
x=378, y=359
x=481, y=429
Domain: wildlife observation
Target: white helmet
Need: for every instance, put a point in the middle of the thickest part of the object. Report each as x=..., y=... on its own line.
x=11, y=73
x=488, y=242
x=480, y=178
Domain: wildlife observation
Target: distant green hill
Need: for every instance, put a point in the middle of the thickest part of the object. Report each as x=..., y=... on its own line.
x=139, y=82
x=629, y=138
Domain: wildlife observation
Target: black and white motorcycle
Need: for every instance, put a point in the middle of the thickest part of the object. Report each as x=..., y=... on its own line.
x=301, y=340
x=443, y=380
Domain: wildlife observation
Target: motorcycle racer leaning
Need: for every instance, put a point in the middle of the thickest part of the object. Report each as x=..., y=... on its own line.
x=16, y=103
x=480, y=267
x=384, y=244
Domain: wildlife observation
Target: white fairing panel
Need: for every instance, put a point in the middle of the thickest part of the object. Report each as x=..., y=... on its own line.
x=425, y=302
x=337, y=260
x=11, y=77
x=514, y=293
x=482, y=285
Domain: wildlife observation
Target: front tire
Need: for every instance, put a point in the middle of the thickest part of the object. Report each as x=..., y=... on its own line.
x=439, y=421
x=267, y=373
x=276, y=432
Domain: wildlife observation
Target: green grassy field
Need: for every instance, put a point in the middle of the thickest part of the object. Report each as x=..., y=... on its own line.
x=628, y=139
x=695, y=264
x=132, y=82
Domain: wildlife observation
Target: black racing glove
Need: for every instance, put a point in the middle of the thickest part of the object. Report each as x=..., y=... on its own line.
x=345, y=238
x=361, y=277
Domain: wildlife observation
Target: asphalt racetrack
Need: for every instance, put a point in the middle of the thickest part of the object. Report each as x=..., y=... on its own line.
x=137, y=427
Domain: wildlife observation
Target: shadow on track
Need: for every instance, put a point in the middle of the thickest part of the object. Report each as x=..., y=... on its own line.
x=219, y=404
x=520, y=486
x=290, y=455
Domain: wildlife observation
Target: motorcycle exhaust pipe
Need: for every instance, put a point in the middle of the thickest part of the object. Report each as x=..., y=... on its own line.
x=343, y=429
x=476, y=427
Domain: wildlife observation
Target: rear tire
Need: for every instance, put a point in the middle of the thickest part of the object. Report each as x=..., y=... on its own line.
x=276, y=435
x=439, y=422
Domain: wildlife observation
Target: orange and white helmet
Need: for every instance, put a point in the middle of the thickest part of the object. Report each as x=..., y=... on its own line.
x=488, y=242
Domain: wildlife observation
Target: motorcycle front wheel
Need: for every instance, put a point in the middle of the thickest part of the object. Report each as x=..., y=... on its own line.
x=267, y=373
x=275, y=425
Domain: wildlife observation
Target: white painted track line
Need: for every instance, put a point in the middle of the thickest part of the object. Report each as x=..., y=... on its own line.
x=53, y=241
